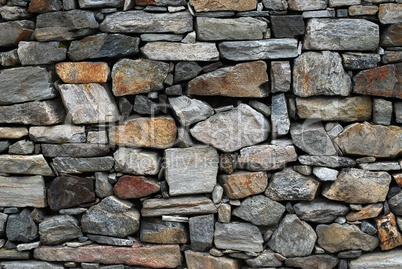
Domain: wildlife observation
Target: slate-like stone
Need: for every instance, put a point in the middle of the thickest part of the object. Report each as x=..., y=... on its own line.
x=194, y=205
x=21, y=227
x=293, y=237
x=3, y=221
x=83, y=72
x=390, y=13
x=138, y=21
x=157, y=231
x=302, y=5
x=73, y=165
x=12, y=13
x=189, y=110
x=383, y=81
x=247, y=127
x=281, y=76
x=380, y=166
x=327, y=161
x=391, y=37
x=358, y=60
x=61, y=25
x=218, y=5
x=287, y=26
x=341, y=3
x=175, y=51
x=36, y=53
x=136, y=161
x=201, y=230
x=89, y=103
x=70, y=191
x=382, y=111
x=111, y=241
x=22, y=192
x=243, y=184
x=341, y=34
x=198, y=260
x=32, y=264
x=320, y=73
x=242, y=80
x=161, y=2
x=279, y=115
x=266, y=157
x=243, y=28
x=145, y=106
x=26, y=165
x=113, y=217
x=191, y=170
x=289, y=185
x=348, y=109
x=99, y=4
x=59, y=229
x=74, y=150
x=313, y=262
x=265, y=49
x=260, y=210
x=395, y=203
x=167, y=256
x=238, y=236
x=157, y=132
x=186, y=71
x=365, y=139
x=320, y=210
x=266, y=259
x=24, y=84
x=359, y=186
x=58, y=134
x=22, y=147
x=337, y=237
x=103, y=46
x=388, y=259
x=390, y=56
x=15, y=31
x=13, y=254
x=138, y=76
x=132, y=187
x=103, y=187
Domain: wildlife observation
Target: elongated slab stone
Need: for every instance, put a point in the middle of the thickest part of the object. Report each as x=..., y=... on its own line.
x=136, y=161
x=359, y=186
x=195, y=205
x=174, y=51
x=33, y=113
x=137, y=21
x=99, y=4
x=341, y=34
x=89, y=103
x=13, y=132
x=82, y=165
x=15, y=31
x=163, y=256
x=59, y=134
x=327, y=161
x=35, y=53
x=157, y=231
x=198, y=260
x=303, y=5
x=74, y=150
x=365, y=139
x=238, y=236
x=30, y=265
x=158, y=132
x=132, y=187
x=24, y=84
x=83, y=72
x=242, y=80
x=22, y=191
x=380, y=260
x=347, y=109
x=219, y=5
x=259, y=49
x=28, y=165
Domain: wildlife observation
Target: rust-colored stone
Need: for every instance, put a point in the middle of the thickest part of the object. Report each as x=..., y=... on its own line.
x=129, y=187
x=159, y=132
x=162, y=256
x=43, y=6
x=383, y=81
x=368, y=212
x=198, y=260
x=83, y=72
x=242, y=184
x=388, y=232
x=216, y=5
x=398, y=179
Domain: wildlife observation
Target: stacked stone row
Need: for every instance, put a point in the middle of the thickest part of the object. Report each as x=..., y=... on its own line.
x=200, y=134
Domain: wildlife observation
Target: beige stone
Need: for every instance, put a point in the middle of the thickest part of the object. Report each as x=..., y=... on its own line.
x=199, y=260
x=243, y=184
x=218, y=5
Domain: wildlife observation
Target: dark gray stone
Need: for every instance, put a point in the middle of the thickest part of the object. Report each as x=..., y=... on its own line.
x=157, y=231
x=21, y=227
x=320, y=210
x=59, y=229
x=3, y=220
x=15, y=31
x=279, y=116
x=111, y=241
x=287, y=26
x=186, y=70
x=357, y=60
x=201, y=232
x=125, y=107
x=327, y=161
x=74, y=150
x=82, y=165
x=368, y=228
x=238, y=236
x=395, y=204
x=382, y=111
x=350, y=254
x=313, y=262
x=103, y=188
x=174, y=90
x=143, y=105
x=9, y=58
x=36, y=53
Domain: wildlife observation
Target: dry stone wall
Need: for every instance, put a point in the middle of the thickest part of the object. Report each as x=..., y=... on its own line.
x=200, y=134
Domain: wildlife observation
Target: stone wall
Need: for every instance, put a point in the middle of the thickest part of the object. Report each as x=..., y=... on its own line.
x=200, y=134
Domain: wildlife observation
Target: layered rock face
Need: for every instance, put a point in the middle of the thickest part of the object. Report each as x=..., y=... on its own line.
x=200, y=134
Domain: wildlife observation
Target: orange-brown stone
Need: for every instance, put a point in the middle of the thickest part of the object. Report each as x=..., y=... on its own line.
x=199, y=260
x=42, y=6
x=389, y=235
x=368, y=212
x=158, y=132
x=129, y=187
x=162, y=256
x=242, y=184
x=216, y=5
x=83, y=72
x=398, y=179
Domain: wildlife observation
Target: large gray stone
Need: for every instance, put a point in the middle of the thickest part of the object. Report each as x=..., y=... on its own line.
x=113, y=217
x=23, y=192
x=136, y=161
x=59, y=134
x=32, y=264
x=320, y=73
x=73, y=165
x=15, y=31
x=175, y=51
x=89, y=103
x=63, y=25
x=191, y=170
x=238, y=236
x=259, y=49
x=320, y=210
x=341, y=34
x=26, y=165
x=74, y=150
x=36, y=53
x=379, y=260
x=24, y=84
x=143, y=22
x=293, y=237
x=390, y=13
x=202, y=232
x=21, y=227
x=260, y=210
x=232, y=130
x=279, y=116
x=244, y=28
x=189, y=110
x=59, y=229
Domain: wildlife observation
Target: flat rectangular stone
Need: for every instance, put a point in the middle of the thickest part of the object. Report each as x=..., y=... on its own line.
x=259, y=49
x=13, y=254
x=13, y=132
x=172, y=51
x=31, y=264
x=83, y=72
x=74, y=150
x=162, y=256
x=218, y=5
x=161, y=37
x=327, y=161
x=27, y=165
x=379, y=260
x=279, y=116
x=64, y=133
x=380, y=166
x=198, y=260
x=35, y=53
x=390, y=13
x=357, y=60
x=82, y=165
x=340, y=3
x=195, y=205
x=22, y=192
x=327, y=13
